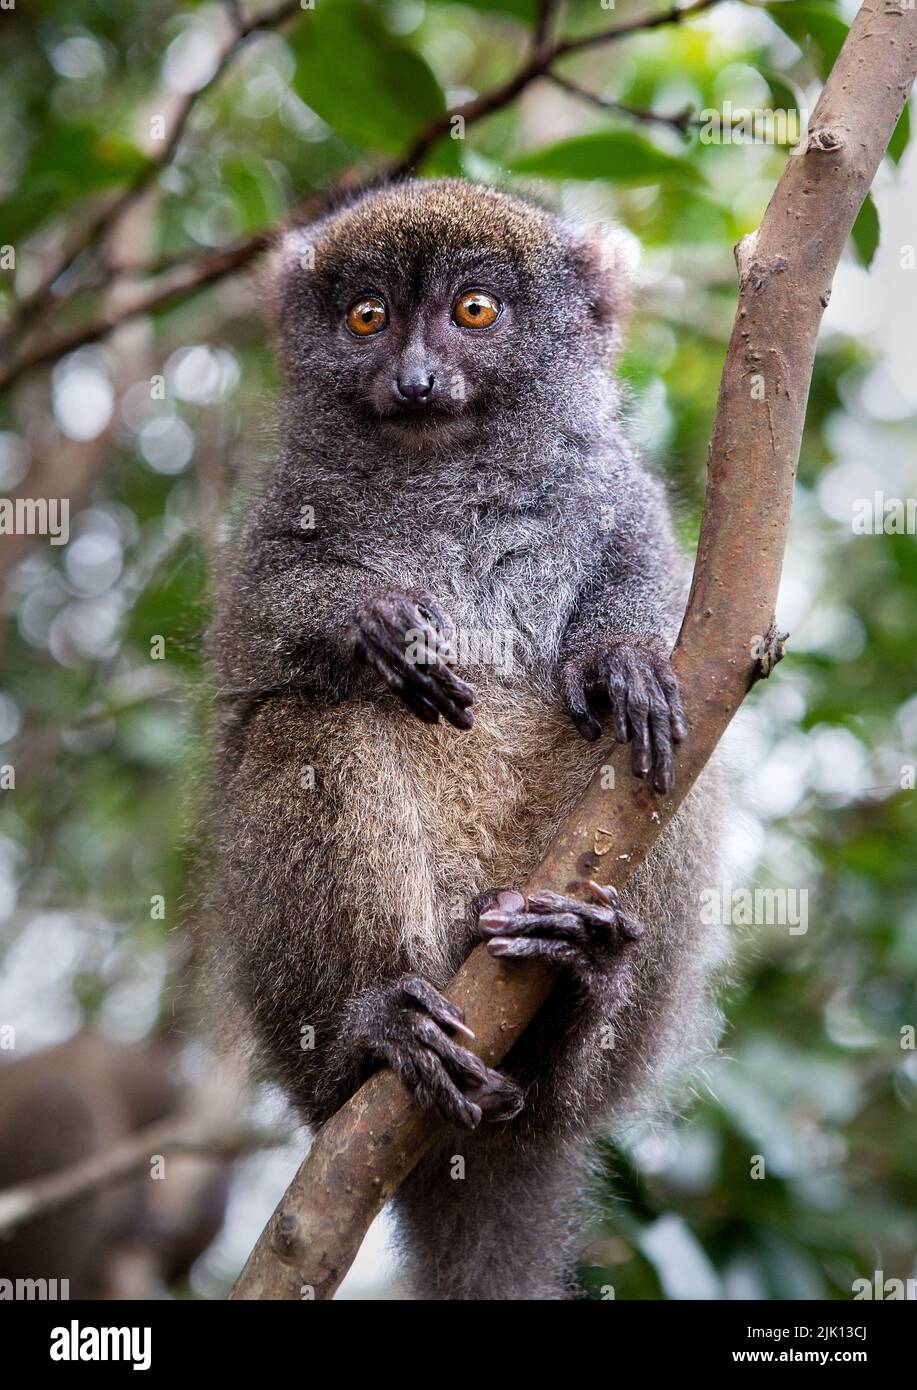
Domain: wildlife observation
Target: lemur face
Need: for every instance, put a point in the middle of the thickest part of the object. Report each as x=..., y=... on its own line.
x=426, y=310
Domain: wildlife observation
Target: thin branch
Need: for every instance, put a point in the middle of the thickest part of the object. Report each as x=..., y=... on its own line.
x=681, y=122
x=176, y=285
x=203, y=270
x=727, y=640
x=538, y=65
x=105, y=219
x=25, y=1203
x=547, y=9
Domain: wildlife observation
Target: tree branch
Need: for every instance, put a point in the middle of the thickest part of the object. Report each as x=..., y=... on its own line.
x=199, y=271
x=726, y=642
x=681, y=122
x=107, y=218
x=25, y=1203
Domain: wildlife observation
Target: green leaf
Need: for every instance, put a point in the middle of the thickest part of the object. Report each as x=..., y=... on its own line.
x=865, y=233
x=522, y=9
x=815, y=24
x=623, y=156
x=900, y=136
x=69, y=161
x=363, y=82
x=258, y=199
x=786, y=96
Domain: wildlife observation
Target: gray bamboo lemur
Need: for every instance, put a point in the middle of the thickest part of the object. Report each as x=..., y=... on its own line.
x=454, y=466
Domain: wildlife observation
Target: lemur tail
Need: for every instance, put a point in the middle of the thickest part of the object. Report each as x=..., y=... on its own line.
x=494, y=1215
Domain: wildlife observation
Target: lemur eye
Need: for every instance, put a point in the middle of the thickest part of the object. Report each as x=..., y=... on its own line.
x=476, y=309
x=367, y=316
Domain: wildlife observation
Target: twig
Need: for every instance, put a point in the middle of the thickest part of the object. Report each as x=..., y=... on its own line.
x=547, y=9
x=538, y=65
x=727, y=638
x=680, y=122
x=19, y=1205
x=178, y=284
x=203, y=270
x=104, y=221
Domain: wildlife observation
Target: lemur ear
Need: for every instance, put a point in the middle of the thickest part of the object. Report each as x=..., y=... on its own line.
x=291, y=258
x=604, y=259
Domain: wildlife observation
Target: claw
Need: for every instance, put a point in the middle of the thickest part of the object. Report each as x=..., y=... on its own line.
x=607, y=894
x=632, y=680
x=428, y=688
x=411, y=1027
x=588, y=939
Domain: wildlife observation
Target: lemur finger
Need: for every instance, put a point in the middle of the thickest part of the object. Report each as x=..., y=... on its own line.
x=463, y=1066
x=660, y=729
x=568, y=926
x=638, y=719
x=442, y=688
x=506, y=899
x=605, y=892
x=460, y=691
x=578, y=705
x=401, y=687
x=421, y=992
x=546, y=900
x=617, y=699
x=609, y=915
x=432, y=613
x=434, y=1090
x=422, y=691
x=672, y=691
x=631, y=928
x=555, y=951
x=500, y=1099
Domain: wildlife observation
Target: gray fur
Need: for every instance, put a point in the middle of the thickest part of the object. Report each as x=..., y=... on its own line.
x=499, y=510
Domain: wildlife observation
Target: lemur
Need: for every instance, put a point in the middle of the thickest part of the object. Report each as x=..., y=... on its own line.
x=455, y=467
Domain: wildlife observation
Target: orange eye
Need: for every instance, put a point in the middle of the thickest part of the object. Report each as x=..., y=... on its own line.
x=476, y=309
x=367, y=316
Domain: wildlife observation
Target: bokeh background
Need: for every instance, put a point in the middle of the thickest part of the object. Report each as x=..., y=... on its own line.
x=100, y=720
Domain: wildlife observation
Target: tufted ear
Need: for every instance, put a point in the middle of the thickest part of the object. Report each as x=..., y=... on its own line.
x=289, y=260
x=604, y=259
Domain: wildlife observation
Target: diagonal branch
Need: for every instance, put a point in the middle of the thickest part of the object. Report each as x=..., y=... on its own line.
x=182, y=1135
x=203, y=270
x=107, y=218
x=682, y=121
x=726, y=642
x=539, y=64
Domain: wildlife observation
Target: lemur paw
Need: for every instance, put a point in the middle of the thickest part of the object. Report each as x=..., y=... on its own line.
x=590, y=940
x=632, y=679
x=409, y=1026
x=404, y=638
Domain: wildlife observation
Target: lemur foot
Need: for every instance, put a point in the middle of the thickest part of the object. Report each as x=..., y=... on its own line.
x=409, y=1026
x=632, y=679
x=590, y=940
x=404, y=638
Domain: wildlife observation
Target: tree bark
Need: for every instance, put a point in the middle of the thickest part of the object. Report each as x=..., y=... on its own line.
x=727, y=640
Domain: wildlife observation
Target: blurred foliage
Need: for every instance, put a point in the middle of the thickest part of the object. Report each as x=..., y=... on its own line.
x=102, y=734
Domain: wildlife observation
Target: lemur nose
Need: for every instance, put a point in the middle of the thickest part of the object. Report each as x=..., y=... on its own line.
x=414, y=388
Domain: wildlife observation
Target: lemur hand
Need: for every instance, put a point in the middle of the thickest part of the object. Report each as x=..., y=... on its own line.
x=404, y=638
x=631, y=678
x=411, y=1027
x=591, y=941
